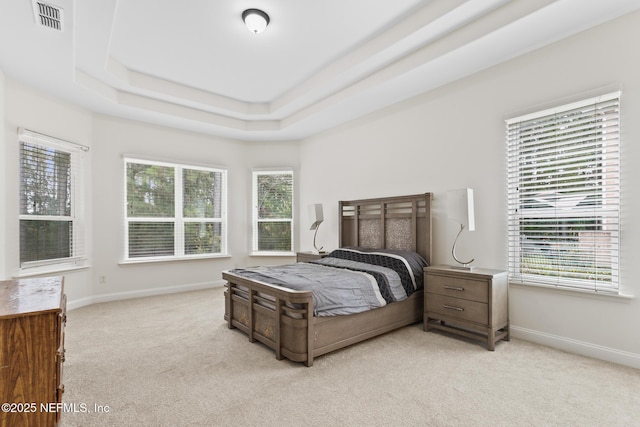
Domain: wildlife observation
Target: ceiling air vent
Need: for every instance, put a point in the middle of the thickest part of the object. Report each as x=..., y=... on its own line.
x=47, y=15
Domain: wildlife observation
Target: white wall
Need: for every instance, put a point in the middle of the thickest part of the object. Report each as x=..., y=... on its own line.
x=114, y=137
x=25, y=107
x=454, y=137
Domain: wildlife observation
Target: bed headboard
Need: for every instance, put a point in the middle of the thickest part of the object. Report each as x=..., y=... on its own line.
x=401, y=222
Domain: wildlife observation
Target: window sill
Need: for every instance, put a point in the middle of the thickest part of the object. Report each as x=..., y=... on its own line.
x=49, y=270
x=273, y=254
x=171, y=259
x=620, y=298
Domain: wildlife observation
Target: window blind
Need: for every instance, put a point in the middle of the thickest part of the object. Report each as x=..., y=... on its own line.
x=273, y=211
x=174, y=210
x=51, y=212
x=563, y=170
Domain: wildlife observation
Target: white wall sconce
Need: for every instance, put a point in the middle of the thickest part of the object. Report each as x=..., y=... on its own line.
x=316, y=216
x=460, y=209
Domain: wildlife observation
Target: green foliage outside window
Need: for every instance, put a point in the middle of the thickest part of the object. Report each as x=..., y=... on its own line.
x=45, y=190
x=193, y=222
x=275, y=211
x=150, y=190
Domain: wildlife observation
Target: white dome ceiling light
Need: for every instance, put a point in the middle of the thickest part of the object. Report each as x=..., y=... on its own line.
x=255, y=20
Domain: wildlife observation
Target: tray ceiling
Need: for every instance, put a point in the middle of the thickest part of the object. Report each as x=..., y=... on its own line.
x=195, y=66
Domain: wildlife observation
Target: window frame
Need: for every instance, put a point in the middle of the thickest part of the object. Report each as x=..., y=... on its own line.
x=576, y=214
x=178, y=218
x=77, y=242
x=255, y=213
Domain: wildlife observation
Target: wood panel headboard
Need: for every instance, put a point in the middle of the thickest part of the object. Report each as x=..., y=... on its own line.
x=401, y=222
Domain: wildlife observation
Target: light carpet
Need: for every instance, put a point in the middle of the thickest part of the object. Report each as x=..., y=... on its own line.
x=171, y=361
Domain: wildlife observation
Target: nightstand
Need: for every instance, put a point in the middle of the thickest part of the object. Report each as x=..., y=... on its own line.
x=474, y=304
x=310, y=256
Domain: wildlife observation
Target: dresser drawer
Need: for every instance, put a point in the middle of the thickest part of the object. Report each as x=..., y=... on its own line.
x=473, y=290
x=471, y=311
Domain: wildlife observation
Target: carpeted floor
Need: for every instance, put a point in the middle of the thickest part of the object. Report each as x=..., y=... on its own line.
x=171, y=361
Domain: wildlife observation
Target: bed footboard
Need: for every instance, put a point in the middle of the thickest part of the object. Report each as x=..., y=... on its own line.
x=280, y=318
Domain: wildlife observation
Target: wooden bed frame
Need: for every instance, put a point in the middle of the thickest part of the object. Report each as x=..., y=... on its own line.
x=283, y=320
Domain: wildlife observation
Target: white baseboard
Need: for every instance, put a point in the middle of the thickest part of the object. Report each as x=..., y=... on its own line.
x=578, y=347
x=71, y=304
x=117, y=296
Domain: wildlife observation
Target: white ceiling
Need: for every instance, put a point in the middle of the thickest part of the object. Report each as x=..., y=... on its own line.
x=194, y=65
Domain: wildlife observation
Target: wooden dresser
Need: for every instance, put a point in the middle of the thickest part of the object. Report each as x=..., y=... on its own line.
x=32, y=320
x=473, y=303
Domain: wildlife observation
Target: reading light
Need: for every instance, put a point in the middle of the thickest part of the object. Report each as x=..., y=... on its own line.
x=315, y=213
x=460, y=209
x=255, y=20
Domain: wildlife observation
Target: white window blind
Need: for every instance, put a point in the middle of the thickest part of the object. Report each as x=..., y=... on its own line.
x=564, y=196
x=174, y=210
x=51, y=201
x=273, y=211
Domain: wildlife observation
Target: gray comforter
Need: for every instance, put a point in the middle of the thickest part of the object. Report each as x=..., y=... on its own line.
x=348, y=280
x=336, y=290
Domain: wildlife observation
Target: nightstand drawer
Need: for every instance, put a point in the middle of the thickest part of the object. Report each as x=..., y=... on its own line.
x=462, y=309
x=473, y=290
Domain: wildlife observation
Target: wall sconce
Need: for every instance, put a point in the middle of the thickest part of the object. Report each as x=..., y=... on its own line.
x=460, y=210
x=255, y=20
x=316, y=216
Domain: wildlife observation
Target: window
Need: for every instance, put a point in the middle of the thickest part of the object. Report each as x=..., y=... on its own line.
x=564, y=196
x=174, y=211
x=273, y=212
x=51, y=204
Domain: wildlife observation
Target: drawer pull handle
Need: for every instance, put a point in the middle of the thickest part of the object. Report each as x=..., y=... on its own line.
x=453, y=288
x=450, y=307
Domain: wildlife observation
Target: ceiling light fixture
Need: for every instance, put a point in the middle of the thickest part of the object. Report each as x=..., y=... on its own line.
x=255, y=20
